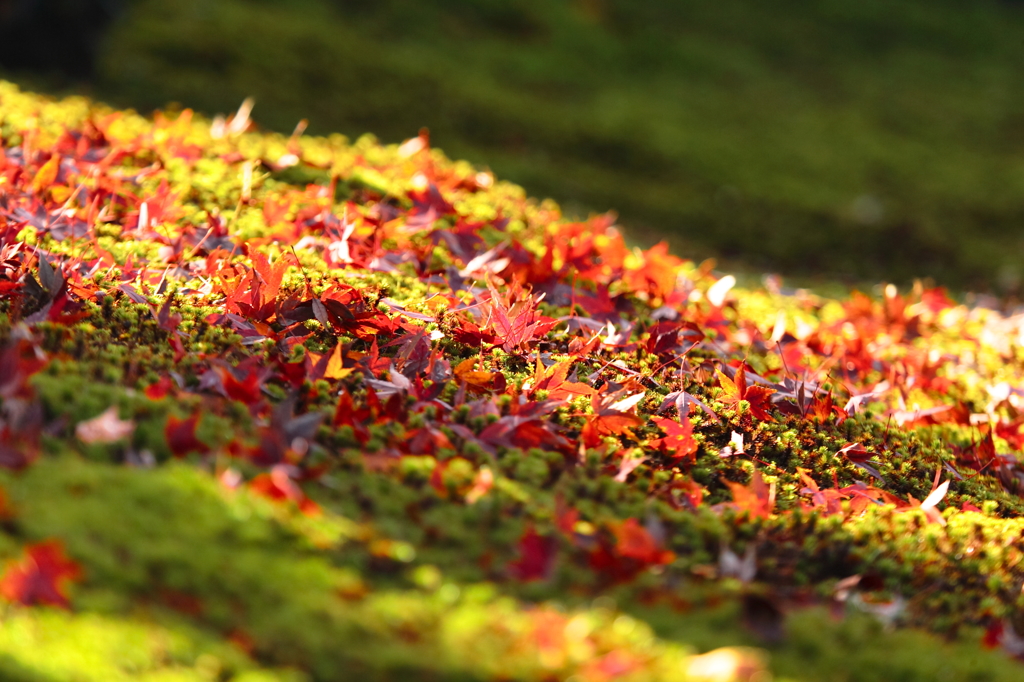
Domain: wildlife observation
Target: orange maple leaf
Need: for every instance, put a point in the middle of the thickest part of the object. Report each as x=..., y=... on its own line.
x=479, y=380
x=633, y=541
x=278, y=486
x=609, y=418
x=757, y=498
x=554, y=380
x=736, y=389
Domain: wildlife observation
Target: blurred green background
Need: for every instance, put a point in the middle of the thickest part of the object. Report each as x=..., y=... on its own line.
x=853, y=141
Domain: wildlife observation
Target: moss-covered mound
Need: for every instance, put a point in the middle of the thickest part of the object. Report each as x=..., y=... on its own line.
x=304, y=409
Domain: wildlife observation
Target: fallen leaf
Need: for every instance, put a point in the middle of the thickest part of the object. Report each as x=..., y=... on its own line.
x=479, y=380
x=336, y=365
x=46, y=175
x=536, y=556
x=633, y=541
x=678, y=442
x=106, y=428
x=279, y=486
x=481, y=485
x=555, y=380
x=41, y=576
x=720, y=289
x=757, y=498
x=180, y=435
x=736, y=389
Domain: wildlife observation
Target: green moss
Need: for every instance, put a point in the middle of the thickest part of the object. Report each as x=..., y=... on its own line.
x=42, y=645
x=146, y=536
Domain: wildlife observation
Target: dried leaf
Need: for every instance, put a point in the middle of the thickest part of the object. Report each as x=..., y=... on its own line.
x=105, y=428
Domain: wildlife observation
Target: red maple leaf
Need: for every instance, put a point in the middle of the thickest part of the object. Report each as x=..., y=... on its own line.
x=271, y=275
x=428, y=440
x=978, y=456
x=523, y=432
x=1011, y=432
x=428, y=206
x=6, y=289
x=160, y=389
x=635, y=549
x=828, y=500
x=346, y=414
x=536, y=556
x=180, y=435
x=234, y=291
x=678, y=442
x=736, y=389
x=345, y=309
x=684, y=493
x=274, y=212
x=861, y=457
x=824, y=408
x=41, y=576
x=633, y=541
x=467, y=332
x=993, y=635
x=936, y=300
x=242, y=383
x=515, y=319
x=664, y=337
x=613, y=413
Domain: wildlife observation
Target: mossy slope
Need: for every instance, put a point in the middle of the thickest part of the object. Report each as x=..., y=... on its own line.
x=301, y=407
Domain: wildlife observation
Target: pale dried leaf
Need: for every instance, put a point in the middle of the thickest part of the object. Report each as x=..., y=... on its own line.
x=106, y=428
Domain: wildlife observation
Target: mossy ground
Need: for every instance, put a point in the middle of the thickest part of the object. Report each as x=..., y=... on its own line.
x=303, y=408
